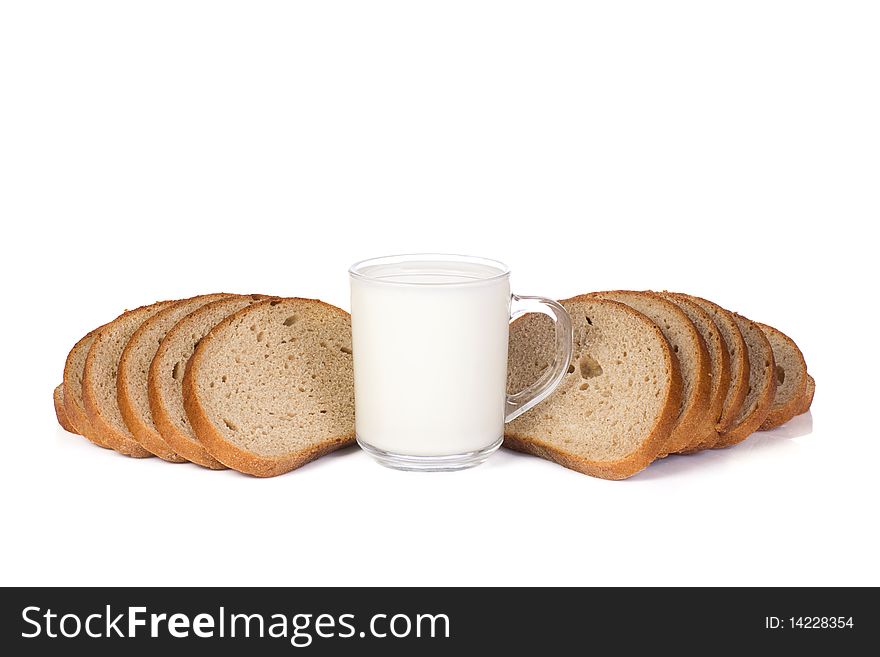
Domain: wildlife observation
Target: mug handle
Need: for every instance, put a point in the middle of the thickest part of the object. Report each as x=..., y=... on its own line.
x=520, y=402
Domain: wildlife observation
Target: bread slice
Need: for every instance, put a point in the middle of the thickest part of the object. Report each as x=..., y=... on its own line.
x=791, y=378
x=719, y=364
x=739, y=359
x=99, y=379
x=134, y=367
x=762, y=385
x=72, y=385
x=614, y=410
x=694, y=422
x=60, y=414
x=807, y=400
x=165, y=382
x=271, y=387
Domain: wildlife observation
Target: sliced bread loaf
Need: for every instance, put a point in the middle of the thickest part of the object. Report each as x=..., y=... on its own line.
x=99, y=379
x=134, y=367
x=60, y=414
x=271, y=387
x=719, y=364
x=739, y=360
x=72, y=397
x=791, y=378
x=694, y=422
x=614, y=410
x=165, y=383
x=762, y=385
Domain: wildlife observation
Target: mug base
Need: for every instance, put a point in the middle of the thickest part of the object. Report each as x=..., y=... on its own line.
x=443, y=463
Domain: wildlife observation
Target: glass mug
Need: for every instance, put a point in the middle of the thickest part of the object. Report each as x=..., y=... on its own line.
x=429, y=336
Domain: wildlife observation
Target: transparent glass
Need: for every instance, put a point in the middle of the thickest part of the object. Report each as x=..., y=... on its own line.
x=429, y=334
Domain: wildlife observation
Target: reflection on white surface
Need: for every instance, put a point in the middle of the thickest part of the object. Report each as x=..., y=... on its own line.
x=802, y=425
x=774, y=441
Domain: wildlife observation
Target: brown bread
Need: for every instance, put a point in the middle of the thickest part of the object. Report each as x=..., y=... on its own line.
x=60, y=413
x=165, y=383
x=134, y=367
x=738, y=356
x=72, y=386
x=807, y=400
x=614, y=410
x=762, y=385
x=719, y=361
x=99, y=379
x=271, y=387
x=694, y=422
x=791, y=378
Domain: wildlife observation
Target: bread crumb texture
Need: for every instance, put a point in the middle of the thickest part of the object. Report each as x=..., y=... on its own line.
x=615, y=389
x=277, y=377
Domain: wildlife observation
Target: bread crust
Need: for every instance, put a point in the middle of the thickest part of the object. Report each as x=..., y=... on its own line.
x=782, y=412
x=104, y=429
x=178, y=441
x=60, y=414
x=694, y=422
x=719, y=359
x=216, y=444
x=145, y=435
x=76, y=414
x=767, y=380
x=739, y=365
x=650, y=448
x=807, y=400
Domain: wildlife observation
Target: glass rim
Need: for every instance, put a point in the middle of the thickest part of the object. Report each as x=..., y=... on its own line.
x=356, y=270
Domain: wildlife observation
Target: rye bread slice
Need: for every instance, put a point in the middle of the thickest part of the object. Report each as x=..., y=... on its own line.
x=614, y=410
x=719, y=364
x=739, y=359
x=694, y=421
x=99, y=379
x=72, y=386
x=762, y=385
x=271, y=387
x=807, y=400
x=60, y=414
x=165, y=382
x=791, y=378
x=134, y=367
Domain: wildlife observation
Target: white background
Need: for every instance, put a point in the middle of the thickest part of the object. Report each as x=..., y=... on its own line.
x=164, y=149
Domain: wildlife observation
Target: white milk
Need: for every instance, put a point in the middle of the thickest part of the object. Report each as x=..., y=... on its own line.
x=430, y=356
